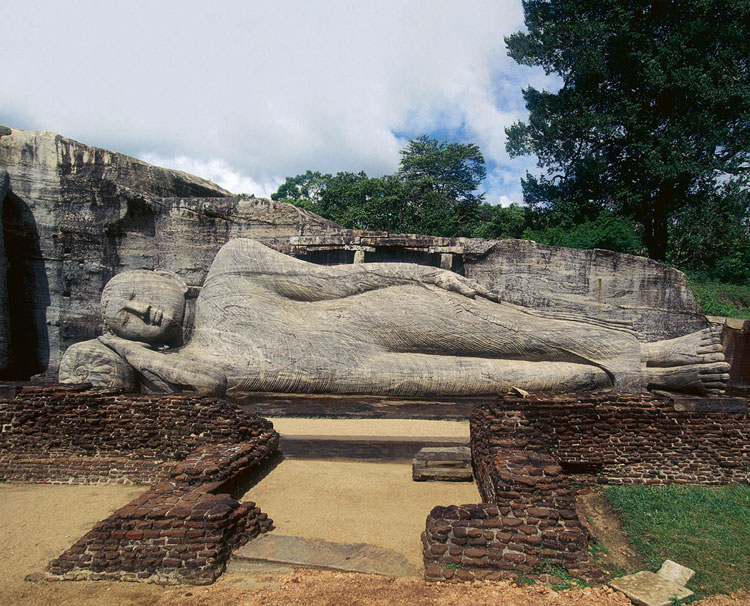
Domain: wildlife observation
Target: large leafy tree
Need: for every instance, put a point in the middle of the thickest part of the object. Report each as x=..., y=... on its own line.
x=653, y=115
x=350, y=199
x=434, y=192
x=440, y=182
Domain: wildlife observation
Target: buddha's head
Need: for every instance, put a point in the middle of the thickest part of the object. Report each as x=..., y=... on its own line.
x=144, y=305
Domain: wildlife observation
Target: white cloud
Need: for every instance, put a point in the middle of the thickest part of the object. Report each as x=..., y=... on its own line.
x=218, y=171
x=247, y=92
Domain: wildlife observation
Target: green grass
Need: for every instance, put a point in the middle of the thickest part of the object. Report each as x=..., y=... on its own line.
x=706, y=529
x=567, y=580
x=717, y=299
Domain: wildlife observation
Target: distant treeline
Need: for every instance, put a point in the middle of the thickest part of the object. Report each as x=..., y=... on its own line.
x=645, y=146
x=435, y=192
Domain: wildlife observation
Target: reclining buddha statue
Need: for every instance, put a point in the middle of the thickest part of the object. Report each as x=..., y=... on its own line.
x=265, y=321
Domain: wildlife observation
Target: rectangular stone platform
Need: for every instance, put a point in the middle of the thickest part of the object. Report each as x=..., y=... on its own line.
x=446, y=463
x=357, y=406
x=366, y=448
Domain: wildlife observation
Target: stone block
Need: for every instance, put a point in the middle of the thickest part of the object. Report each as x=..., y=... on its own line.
x=649, y=589
x=677, y=573
x=450, y=463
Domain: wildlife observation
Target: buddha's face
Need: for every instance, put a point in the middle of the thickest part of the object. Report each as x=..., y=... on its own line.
x=144, y=306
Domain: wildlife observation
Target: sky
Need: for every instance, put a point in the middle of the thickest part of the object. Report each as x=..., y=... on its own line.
x=249, y=92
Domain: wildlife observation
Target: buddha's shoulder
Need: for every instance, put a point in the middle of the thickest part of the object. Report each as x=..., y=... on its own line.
x=241, y=246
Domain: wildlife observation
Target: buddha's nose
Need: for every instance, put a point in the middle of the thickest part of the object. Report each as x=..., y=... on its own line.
x=138, y=308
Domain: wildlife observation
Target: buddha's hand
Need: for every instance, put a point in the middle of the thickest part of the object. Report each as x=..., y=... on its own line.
x=450, y=281
x=168, y=371
x=139, y=355
x=124, y=347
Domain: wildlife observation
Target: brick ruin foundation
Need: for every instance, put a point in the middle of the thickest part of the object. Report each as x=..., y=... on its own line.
x=197, y=452
x=529, y=454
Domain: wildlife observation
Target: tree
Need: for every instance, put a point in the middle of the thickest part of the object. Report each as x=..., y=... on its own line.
x=434, y=192
x=302, y=190
x=495, y=221
x=714, y=236
x=606, y=230
x=653, y=114
x=440, y=181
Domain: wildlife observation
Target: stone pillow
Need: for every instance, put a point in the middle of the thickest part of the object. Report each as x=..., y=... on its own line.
x=95, y=363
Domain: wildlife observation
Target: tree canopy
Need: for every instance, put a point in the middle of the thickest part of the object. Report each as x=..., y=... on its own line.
x=652, y=120
x=433, y=192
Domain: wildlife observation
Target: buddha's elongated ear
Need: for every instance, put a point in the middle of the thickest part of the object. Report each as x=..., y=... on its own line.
x=170, y=274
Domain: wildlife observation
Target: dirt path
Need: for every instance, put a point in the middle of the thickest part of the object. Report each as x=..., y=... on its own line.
x=40, y=521
x=37, y=522
x=371, y=427
x=355, y=502
x=619, y=557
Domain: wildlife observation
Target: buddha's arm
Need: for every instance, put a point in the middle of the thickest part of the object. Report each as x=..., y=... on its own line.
x=333, y=282
x=303, y=281
x=168, y=371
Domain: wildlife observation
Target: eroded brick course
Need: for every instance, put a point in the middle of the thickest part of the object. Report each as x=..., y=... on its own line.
x=194, y=450
x=525, y=452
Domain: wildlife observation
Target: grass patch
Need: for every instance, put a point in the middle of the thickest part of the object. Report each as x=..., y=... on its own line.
x=706, y=529
x=567, y=580
x=717, y=299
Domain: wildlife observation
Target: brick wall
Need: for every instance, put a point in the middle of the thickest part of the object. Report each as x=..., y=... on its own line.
x=73, y=435
x=528, y=521
x=527, y=451
x=198, y=451
x=736, y=343
x=621, y=438
x=182, y=530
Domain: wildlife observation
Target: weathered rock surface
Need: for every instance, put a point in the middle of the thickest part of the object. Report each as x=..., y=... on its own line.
x=4, y=320
x=76, y=215
x=644, y=294
x=646, y=588
x=350, y=557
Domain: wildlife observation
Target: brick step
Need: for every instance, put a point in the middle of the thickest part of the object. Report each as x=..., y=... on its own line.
x=367, y=448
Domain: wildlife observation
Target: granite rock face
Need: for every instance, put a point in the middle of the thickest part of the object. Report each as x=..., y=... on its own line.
x=74, y=216
x=4, y=320
x=643, y=294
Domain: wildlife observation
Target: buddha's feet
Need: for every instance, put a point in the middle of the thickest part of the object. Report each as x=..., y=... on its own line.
x=706, y=379
x=701, y=347
x=692, y=363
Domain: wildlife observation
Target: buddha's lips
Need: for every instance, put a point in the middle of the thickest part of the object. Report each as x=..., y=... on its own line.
x=155, y=317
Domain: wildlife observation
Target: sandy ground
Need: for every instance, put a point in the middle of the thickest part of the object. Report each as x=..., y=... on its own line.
x=345, y=501
x=38, y=520
x=37, y=523
x=353, y=502
x=370, y=427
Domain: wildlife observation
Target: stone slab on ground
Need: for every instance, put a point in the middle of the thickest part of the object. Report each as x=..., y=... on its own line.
x=446, y=463
x=677, y=573
x=317, y=553
x=649, y=589
x=713, y=404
